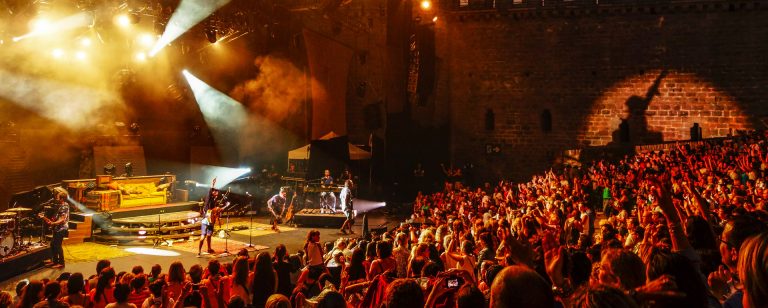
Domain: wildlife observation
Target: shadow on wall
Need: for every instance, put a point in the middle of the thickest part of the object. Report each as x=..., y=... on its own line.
x=634, y=128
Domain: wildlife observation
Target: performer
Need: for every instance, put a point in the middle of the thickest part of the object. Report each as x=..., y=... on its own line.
x=347, y=207
x=211, y=212
x=277, y=202
x=327, y=198
x=60, y=225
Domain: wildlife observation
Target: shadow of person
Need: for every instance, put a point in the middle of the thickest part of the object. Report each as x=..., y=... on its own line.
x=634, y=128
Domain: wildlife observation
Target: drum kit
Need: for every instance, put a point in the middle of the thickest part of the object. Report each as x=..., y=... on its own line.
x=10, y=231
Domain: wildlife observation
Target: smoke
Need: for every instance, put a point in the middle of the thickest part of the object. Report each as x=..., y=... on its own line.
x=275, y=99
x=73, y=106
x=276, y=93
x=187, y=15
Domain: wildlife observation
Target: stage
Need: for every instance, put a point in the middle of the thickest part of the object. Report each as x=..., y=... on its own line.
x=24, y=262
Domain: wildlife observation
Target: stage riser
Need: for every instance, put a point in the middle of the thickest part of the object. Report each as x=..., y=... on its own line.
x=155, y=210
x=319, y=220
x=24, y=263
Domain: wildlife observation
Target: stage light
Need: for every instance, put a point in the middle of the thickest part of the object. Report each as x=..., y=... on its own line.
x=141, y=56
x=188, y=14
x=41, y=26
x=81, y=55
x=86, y=42
x=123, y=20
x=57, y=53
x=210, y=33
x=426, y=4
x=434, y=19
x=146, y=40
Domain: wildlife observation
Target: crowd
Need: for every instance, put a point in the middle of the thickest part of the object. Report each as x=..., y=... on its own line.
x=685, y=227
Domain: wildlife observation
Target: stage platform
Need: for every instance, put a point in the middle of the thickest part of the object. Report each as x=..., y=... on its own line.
x=313, y=218
x=23, y=262
x=148, y=224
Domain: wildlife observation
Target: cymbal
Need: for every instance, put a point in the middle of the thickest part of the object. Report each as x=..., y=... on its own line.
x=7, y=214
x=19, y=209
x=6, y=221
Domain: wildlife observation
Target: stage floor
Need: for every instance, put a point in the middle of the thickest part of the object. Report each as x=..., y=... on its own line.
x=149, y=219
x=147, y=256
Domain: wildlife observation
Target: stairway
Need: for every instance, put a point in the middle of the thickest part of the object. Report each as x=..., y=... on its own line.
x=80, y=226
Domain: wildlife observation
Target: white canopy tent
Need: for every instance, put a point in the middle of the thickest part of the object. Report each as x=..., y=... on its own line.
x=355, y=152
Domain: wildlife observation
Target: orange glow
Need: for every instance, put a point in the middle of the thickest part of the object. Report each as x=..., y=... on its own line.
x=426, y=4
x=682, y=99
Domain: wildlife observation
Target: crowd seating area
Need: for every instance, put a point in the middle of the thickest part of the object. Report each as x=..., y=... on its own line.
x=684, y=227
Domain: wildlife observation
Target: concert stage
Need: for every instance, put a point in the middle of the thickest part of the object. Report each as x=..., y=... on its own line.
x=147, y=224
x=24, y=262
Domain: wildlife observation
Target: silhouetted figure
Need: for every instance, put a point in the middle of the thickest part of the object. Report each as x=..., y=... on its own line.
x=634, y=129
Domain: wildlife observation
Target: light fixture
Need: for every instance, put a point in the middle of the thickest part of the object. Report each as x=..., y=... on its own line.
x=81, y=55
x=146, y=40
x=141, y=56
x=426, y=4
x=210, y=33
x=85, y=42
x=57, y=53
x=123, y=20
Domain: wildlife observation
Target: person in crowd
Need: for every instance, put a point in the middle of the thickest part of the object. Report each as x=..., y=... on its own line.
x=264, y=282
x=175, y=278
x=239, y=280
x=76, y=291
x=283, y=269
x=121, y=294
x=51, y=300
x=103, y=293
x=33, y=293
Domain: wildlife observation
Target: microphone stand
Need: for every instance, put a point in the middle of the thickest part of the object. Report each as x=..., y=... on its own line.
x=226, y=235
x=250, y=227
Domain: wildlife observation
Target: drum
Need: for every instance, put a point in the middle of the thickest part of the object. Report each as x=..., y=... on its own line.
x=7, y=225
x=7, y=244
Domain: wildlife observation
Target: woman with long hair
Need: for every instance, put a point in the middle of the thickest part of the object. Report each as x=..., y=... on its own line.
x=264, y=282
x=33, y=293
x=752, y=269
x=103, y=293
x=283, y=270
x=313, y=249
x=175, y=279
x=384, y=262
x=75, y=291
x=239, y=282
x=52, y=292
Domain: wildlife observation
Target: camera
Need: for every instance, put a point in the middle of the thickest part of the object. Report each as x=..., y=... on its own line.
x=454, y=282
x=195, y=286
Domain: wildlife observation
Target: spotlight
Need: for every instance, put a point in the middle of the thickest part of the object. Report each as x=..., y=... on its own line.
x=210, y=33
x=426, y=4
x=41, y=26
x=146, y=40
x=123, y=20
x=128, y=169
x=81, y=55
x=134, y=128
x=57, y=53
x=434, y=19
x=109, y=169
x=141, y=56
x=85, y=42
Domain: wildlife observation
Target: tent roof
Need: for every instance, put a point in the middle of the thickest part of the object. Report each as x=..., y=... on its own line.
x=355, y=152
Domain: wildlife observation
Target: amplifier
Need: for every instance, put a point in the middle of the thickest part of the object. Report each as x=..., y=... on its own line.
x=102, y=200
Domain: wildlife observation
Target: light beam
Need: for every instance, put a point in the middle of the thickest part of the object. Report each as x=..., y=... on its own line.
x=187, y=15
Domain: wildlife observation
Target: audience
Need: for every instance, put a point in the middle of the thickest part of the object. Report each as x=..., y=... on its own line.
x=682, y=227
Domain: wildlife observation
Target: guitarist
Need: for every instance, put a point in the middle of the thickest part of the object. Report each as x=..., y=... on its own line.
x=277, y=202
x=211, y=212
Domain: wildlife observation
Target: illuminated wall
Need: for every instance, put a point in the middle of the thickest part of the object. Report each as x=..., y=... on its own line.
x=676, y=65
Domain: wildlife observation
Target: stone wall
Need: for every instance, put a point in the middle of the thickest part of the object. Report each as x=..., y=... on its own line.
x=660, y=69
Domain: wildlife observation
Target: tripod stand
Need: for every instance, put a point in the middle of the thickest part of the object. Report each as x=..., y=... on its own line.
x=159, y=236
x=225, y=233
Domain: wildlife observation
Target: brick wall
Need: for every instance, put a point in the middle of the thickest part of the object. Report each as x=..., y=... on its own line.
x=701, y=64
